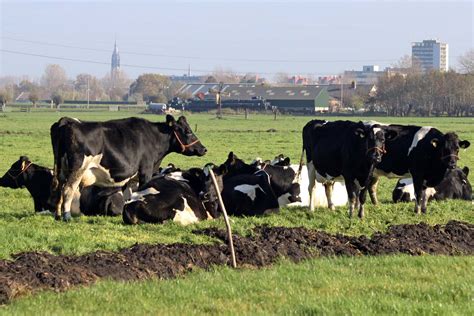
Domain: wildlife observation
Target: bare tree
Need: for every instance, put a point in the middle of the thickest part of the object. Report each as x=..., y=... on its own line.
x=53, y=79
x=225, y=75
x=281, y=78
x=466, y=62
x=118, y=88
x=33, y=97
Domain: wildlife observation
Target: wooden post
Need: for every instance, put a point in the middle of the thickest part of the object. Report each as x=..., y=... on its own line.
x=195, y=128
x=226, y=218
x=246, y=113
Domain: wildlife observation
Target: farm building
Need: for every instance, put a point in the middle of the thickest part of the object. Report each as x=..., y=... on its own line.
x=294, y=98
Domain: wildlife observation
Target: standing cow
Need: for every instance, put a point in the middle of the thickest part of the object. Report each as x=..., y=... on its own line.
x=422, y=152
x=342, y=150
x=110, y=153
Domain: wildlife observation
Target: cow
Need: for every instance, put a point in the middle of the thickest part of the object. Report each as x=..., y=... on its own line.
x=342, y=150
x=282, y=178
x=424, y=153
x=110, y=153
x=177, y=196
x=37, y=180
x=248, y=194
x=455, y=185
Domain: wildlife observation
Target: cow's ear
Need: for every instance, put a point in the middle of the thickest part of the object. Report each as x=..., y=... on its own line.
x=222, y=169
x=287, y=160
x=231, y=157
x=360, y=132
x=464, y=144
x=434, y=142
x=465, y=170
x=391, y=134
x=182, y=120
x=24, y=158
x=170, y=121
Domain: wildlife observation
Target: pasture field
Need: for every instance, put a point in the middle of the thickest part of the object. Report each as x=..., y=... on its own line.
x=372, y=285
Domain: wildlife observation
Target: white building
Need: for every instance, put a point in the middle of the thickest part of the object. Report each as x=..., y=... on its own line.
x=430, y=55
x=368, y=75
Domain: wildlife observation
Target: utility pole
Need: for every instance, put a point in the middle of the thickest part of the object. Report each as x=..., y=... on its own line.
x=88, y=93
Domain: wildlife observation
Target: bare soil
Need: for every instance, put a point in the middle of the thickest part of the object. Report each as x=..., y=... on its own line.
x=32, y=271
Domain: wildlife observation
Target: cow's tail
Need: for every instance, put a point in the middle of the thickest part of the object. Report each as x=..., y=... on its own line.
x=54, y=131
x=300, y=168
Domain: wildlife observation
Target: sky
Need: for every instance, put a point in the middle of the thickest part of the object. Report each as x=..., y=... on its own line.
x=266, y=37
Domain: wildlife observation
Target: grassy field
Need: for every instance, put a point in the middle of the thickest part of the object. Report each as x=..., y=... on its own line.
x=332, y=285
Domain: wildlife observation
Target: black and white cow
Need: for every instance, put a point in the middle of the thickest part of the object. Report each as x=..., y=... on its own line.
x=176, y=196
x=110, y=153
x=455, y=185
x=342, y=150
x=37, y=180
x=282, y=178
x=422, y=152
x=246, y=194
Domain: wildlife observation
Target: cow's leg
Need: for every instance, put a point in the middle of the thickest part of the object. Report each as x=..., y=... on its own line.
x=144, y=175
x=362, y=198
x=329, y=186
x=68, y=192
x=373, y=182
x=311, y=184
x=424, y=201
x=418, y=188
x=38, y=205
x=352, y=195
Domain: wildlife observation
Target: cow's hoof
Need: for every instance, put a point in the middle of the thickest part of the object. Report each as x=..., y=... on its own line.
x=57, y=217
x=67, y=216
x=332, y=207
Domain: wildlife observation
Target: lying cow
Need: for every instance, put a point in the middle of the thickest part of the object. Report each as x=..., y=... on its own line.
x=424, y=153
x=109, y=154
x=37, y=180
x=455, y=185
x=282, y=178
x=339, y=193
x=244, y=194
x=342, y=150
x=182, y=198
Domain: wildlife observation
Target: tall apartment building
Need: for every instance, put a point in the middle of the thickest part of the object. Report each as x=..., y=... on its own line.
x=430, y=54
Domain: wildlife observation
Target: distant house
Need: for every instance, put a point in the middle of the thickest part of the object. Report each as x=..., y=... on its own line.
x=311, y=98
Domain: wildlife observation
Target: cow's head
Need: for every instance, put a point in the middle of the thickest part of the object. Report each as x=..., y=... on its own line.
x=373, y=139
x=183, y=139
x=15, y=177
x=281, y=160
x=448, y=148
x=234, y=166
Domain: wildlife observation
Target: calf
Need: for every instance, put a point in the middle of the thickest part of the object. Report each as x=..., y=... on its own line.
x=166, y=198
x=455, y=185
x=109, y=154
x=422, y=152
x=37, y=180
x=342, y=150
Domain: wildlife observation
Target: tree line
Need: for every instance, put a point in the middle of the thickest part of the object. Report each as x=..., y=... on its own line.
x=425, y=94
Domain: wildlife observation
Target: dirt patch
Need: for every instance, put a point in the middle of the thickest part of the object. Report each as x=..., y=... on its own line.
x=33, y=271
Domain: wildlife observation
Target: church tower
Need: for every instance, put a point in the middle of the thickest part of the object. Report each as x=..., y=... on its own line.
x=115, y=65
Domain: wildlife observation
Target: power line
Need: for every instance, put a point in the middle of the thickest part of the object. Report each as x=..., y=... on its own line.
x=201, y=58
x=130, y=65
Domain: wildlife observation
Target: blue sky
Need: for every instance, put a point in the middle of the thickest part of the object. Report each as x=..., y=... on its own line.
x=297, y=37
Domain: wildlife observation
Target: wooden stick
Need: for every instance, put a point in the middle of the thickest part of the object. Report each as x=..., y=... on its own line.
x=226, y=218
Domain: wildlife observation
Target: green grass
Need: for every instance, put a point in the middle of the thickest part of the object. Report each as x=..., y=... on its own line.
x=330, y=285
x=360, y=286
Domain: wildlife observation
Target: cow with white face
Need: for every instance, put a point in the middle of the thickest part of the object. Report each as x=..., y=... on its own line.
x=424, y=153
x=109, y=154
x=342, y=150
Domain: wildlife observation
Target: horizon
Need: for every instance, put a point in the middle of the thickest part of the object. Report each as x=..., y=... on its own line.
x=261, y=37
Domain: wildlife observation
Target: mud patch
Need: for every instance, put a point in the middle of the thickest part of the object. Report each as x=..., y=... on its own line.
x=33, y=271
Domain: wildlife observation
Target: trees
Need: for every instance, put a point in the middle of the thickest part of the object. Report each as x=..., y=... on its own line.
x=4, y=97
x=57, y=99
x=466, y=62
x=150, y=86
x=116, y=89
x=33, y=97
x=434, y=93
x=53, y=79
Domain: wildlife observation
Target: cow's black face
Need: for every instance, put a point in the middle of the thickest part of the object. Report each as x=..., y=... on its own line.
x=13, y=178
x=234, y=165
x=184, y=138
x=374, y=139
x=209, y=196
x=448, y=147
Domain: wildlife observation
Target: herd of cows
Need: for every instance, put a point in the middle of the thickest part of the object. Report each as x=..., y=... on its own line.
x=113, y=168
